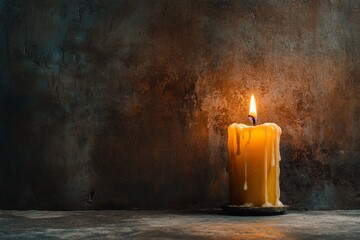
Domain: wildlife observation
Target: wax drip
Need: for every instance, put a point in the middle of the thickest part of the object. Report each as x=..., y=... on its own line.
x=236, y=191
x=238, y=142
x=272, y=147
x=266, y=204
x=245, y=167
x=277, y=174
x=265, y=158
x=231, y=161
x=278, y=142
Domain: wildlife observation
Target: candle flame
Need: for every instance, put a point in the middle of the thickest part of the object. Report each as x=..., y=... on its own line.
x=252, y=111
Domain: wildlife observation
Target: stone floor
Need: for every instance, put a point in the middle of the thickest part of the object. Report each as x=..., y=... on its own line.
x=177, y=225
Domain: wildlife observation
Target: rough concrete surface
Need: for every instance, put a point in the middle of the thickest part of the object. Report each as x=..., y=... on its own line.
x=177, y=225
x=119, y=104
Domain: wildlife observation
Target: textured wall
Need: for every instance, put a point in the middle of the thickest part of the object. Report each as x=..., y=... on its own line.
x=117, y=104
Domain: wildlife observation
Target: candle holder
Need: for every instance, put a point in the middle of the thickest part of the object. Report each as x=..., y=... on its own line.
x=239, y=210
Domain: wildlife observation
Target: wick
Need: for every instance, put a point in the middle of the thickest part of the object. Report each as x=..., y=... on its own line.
x=252, y=119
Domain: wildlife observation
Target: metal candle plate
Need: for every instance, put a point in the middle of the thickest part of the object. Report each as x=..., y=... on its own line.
x=253, y=211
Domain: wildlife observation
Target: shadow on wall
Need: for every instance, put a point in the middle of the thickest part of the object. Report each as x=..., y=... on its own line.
x=31, y=177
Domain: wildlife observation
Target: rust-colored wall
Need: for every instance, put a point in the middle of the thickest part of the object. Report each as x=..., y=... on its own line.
x=118, y=104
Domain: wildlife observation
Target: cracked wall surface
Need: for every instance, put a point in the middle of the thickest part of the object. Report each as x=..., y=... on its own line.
x=125, y=104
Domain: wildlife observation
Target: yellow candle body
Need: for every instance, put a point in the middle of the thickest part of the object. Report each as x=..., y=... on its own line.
x=253, y=164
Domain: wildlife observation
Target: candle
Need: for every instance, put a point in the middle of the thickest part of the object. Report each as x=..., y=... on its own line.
x=253, y=163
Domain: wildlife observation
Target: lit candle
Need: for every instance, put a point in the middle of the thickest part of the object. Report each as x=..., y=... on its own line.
x=253, y=162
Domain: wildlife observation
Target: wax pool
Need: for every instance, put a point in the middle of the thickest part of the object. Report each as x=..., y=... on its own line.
x=253, y=164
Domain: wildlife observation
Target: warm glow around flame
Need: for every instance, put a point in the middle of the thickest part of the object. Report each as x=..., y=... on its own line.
x=252, y=111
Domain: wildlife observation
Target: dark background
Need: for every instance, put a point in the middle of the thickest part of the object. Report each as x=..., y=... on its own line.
x=122, y=104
